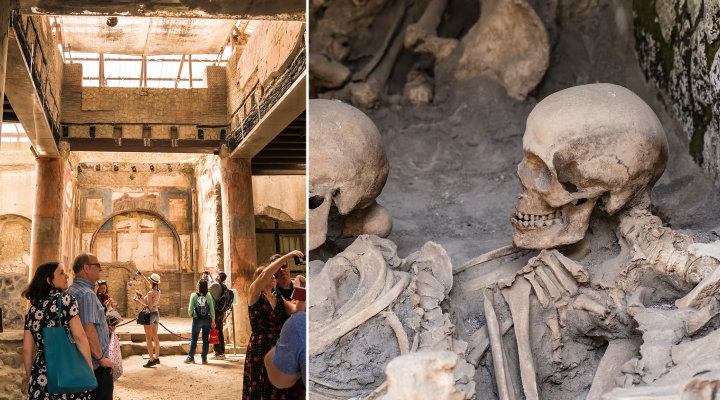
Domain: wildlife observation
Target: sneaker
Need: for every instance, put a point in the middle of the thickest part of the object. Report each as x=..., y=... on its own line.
x=204, y=361
x=149, y=364
x=156, y=361
x=189, y=360
x=218, y=357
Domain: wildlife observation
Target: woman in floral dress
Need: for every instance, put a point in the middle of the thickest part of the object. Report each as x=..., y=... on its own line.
x=268, y=313
x=50, y=280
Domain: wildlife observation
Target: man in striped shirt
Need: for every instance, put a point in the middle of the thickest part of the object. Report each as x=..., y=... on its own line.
x=92, y=315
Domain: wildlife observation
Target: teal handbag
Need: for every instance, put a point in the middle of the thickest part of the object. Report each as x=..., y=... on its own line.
x=67, y=369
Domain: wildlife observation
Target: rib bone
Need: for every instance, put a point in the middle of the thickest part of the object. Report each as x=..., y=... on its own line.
x=539, y=292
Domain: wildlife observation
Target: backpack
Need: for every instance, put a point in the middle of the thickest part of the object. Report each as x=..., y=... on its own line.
x=225, y=299
x=201, y=308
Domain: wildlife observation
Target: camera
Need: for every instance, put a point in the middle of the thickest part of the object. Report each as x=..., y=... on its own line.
x=299, y=261
x=138, y=272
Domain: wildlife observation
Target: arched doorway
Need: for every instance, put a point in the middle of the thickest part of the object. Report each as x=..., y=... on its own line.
x=142, y=236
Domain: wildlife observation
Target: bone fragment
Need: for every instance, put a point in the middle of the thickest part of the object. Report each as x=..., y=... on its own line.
x=548, y=282
x=394, y=322
x=505, y=386
x=562, y=312
x=575, y=269
x=701, y=317
x=552, y=323
x=618, y=352
x=326, y=73
x=518, y=298
x=422, y=35
x=489, y=256
x=584, y=302
x=706, y=287
x=479, y=341
x=539, y=292
x=399, y=15
x=561, y=274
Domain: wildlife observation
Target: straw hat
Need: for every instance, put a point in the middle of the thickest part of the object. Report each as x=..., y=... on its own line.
x=155, y=278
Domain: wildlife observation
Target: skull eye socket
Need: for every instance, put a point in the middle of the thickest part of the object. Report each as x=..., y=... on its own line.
x=315, y=202
x=534, y=170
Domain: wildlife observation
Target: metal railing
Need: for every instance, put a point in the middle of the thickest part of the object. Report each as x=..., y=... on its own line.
x=37, y=64
x=259, y=100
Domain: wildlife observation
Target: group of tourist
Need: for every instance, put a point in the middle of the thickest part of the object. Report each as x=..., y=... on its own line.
x=275, y=359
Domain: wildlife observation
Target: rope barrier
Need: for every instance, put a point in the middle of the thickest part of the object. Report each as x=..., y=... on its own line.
x=227, y=314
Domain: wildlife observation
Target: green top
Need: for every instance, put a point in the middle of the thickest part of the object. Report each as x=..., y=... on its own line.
x=193, y=304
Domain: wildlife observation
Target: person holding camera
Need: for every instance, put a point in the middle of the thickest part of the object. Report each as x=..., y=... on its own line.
x=268, y=312
x=150, y=302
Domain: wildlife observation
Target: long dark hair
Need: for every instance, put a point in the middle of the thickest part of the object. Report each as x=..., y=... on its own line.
x=39, y=289
x=202, y=287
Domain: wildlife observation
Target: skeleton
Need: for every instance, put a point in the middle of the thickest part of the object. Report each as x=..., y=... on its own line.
x=585, y=146
x=349, y=169
x=367, y=287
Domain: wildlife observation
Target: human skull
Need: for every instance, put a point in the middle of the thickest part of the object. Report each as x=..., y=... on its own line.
x=582, y=145
x=348, y=166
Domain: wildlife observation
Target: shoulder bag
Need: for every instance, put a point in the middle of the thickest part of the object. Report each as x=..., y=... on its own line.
x=67, y=369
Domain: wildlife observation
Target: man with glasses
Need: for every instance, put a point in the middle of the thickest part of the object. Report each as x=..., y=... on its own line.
x=92, y=315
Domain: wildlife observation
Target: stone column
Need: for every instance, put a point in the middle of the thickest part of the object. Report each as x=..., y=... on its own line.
x=45, y=240
x=4, y=32
x=240, y=245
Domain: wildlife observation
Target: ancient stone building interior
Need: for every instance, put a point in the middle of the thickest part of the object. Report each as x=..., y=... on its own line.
x=526, y=206
x=162, y=137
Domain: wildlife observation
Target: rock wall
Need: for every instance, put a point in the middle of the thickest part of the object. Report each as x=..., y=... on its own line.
x=14, y=267
x=13, y=384
x=677, y=46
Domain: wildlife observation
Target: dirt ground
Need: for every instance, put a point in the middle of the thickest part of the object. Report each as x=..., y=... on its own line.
x=173, y=379
x=452, y=163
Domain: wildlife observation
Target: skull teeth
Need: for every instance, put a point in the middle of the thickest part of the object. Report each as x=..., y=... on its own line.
x=534, y=221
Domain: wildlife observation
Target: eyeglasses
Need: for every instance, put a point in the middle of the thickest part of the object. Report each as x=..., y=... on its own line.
x=95, y=264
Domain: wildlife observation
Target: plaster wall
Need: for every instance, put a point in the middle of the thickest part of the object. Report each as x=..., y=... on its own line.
x=17, y=183
x=282, y=197
x=271, y=49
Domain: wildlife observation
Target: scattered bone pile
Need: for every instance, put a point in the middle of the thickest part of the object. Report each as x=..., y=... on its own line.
x=355, y=45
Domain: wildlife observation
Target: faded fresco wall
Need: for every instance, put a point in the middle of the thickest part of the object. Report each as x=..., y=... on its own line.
x=677, y=45
x=282, y=197
x=143, y=216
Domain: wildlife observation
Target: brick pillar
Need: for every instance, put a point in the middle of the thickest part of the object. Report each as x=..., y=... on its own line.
x=45, y=241
x=241, y=250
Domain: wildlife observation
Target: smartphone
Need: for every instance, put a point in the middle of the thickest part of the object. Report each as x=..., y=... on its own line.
x=298, y=294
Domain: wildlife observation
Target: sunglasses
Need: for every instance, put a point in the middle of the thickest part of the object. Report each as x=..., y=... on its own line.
x=284, y=266
x=101, y=282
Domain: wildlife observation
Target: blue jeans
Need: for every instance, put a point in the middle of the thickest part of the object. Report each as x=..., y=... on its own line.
x=203, y=323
